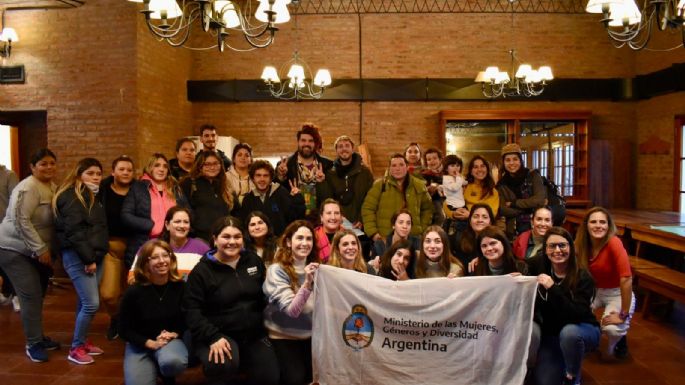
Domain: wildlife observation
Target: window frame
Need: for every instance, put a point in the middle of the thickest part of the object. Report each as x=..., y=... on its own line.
x=513, y=118
x=678, y=159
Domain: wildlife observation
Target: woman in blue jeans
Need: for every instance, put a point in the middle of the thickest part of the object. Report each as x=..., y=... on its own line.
x=151, y=320
x=81, y=228
x=564, y=317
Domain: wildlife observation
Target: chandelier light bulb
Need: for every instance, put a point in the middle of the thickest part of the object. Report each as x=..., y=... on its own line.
x=279, y=6
x=502, y=78
x=9, y=34
x=545, y=73
x=296, y=73
x=270, y=75
x=624, y=14
x=322, y=78
x=600, y=6
x=164, y=9
x=523, y=71
x=491, y=73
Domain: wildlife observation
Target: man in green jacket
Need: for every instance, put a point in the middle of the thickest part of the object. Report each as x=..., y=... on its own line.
x=396, y=190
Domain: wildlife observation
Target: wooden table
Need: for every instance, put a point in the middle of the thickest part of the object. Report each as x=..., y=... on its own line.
x=631, y=219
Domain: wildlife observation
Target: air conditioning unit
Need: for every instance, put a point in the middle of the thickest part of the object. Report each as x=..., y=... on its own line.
x=12, y=75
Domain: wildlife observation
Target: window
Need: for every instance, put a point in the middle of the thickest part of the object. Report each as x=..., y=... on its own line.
x=679, y=180
x=553, y=142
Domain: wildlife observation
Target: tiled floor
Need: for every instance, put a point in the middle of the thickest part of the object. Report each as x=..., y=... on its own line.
x=657, y=350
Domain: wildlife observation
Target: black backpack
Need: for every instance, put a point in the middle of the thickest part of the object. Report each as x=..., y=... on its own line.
x=555, y=201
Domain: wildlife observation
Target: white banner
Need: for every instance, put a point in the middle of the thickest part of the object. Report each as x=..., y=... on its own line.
x=370, y=330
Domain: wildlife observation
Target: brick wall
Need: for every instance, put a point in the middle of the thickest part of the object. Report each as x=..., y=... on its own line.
x=117, y=90
x=81, y=73
x=164, y=113
x=654, y=175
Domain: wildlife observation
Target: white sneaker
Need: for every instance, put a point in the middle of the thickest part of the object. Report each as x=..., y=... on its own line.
x=15, y=304
x=5, y=300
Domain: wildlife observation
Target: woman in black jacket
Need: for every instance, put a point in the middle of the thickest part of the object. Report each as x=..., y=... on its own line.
x=208, y=193
x=568, y=327
x=224, y=304
x=81, y=228
x=147, y=203
x=151, y=320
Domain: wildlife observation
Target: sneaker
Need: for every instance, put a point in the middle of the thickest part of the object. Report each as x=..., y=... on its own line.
x=36, y=352
x=621, y=348
x=49, y=344
x=15, y=304
x=92, y=349
x=113, y=331
x=78, y=355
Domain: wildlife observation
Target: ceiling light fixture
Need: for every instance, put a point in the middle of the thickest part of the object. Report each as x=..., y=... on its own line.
x=173, y=21
x=7, y=37
x=524, y=82
x=300, y=84
x=627, y=24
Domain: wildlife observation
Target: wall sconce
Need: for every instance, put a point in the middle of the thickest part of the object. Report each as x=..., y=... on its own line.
x=7, y=37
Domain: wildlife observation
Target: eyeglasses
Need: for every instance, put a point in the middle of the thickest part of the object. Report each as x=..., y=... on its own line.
x=211, y=164
x=560, y=245
x=155, y=257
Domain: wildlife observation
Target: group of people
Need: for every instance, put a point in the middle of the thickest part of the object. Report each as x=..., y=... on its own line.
x=236, y=295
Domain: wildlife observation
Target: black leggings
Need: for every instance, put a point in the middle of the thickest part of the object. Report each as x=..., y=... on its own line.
x=295, y=360
x=255, y=358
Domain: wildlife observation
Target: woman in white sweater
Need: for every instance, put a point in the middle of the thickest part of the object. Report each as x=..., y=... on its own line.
x=288, y=315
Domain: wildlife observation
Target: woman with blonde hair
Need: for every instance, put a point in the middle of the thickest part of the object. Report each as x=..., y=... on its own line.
x=601, y=250
x=346, y=252
x=288, y=315
x=435, y=258
x=147, y=203
x=208, y=193
x=151, y=319
x=81, y=228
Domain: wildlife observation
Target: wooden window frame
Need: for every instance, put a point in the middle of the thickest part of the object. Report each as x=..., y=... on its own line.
x=677, y=159
x=513, y=118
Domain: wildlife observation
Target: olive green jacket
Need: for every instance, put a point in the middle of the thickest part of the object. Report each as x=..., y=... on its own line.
x=385, y=198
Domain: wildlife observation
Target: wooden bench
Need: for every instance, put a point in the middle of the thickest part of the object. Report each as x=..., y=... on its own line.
x=656, y=278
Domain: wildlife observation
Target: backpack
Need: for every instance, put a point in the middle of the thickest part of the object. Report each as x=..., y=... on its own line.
x=555, y=201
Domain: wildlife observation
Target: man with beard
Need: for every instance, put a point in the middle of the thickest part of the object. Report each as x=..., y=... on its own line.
x=208, y=137
x=282, y=205
x=306, y=167
x=347, y=181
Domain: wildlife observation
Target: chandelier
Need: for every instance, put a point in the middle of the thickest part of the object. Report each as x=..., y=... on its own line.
x=524, y=82
x=627, y=24
x=298, y=85
x=173, y=21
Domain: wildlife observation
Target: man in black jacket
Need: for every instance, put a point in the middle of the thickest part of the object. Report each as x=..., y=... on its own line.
x=306, y=167
x=281, y=205
x=347, y=181
x=208, y=138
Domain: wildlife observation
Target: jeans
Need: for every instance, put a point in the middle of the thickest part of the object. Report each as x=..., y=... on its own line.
x=113, y=276
x=30, y=280
x=559, y=355
x=610, y=300
x=86, y=286
x=141, y=364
